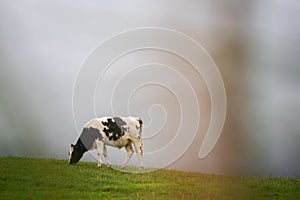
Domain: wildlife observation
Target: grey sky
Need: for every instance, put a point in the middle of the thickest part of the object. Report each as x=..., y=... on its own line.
x=255, y=45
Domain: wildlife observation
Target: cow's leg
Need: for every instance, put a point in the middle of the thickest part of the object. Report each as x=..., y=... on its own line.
x=129, y=151
x=138, y=146
x=100, y=146
x=108, y=162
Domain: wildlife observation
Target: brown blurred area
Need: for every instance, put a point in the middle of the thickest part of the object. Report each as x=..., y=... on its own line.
x=256, y=55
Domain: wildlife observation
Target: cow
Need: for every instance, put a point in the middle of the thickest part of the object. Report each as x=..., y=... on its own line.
x=113, y=131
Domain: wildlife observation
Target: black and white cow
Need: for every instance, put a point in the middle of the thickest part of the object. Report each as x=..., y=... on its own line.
x=113, y=131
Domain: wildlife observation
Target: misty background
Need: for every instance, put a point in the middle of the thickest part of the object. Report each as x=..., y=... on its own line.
x=255, y=45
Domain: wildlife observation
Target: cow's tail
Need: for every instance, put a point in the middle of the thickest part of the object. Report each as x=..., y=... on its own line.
x=140, y=134
x=141, y=126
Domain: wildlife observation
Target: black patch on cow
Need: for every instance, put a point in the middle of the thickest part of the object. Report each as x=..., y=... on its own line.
x=88, y=137
x=114, y=128
x=78, y=151
x=84, y=143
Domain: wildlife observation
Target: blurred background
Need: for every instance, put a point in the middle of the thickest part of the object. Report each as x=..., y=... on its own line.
x=255, y=44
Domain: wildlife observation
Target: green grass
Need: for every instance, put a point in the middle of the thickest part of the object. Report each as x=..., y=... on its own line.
x=28, y=178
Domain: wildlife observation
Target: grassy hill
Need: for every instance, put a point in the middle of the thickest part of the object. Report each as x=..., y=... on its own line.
x=27, y=178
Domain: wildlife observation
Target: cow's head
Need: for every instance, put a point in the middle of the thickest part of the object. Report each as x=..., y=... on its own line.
x=75, y=153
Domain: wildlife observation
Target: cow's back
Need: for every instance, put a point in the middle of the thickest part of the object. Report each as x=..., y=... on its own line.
x=116, y=131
